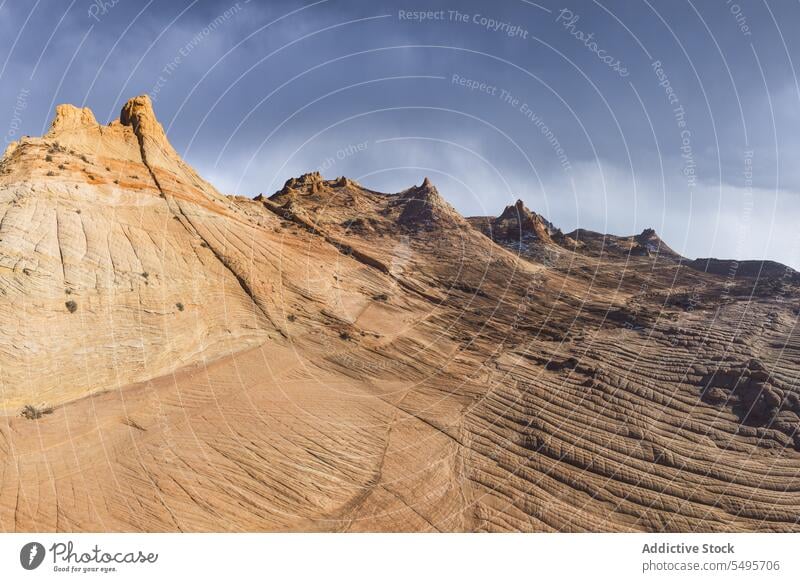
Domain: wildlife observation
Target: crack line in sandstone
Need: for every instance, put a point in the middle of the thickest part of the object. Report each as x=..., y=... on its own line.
x=60, y=251
x=192, y=230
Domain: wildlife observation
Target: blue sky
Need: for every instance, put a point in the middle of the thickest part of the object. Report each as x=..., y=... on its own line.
x=612, y=116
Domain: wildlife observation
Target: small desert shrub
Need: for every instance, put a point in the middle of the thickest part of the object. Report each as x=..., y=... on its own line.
x=381, y=297
x=51, y=173
x=291, y=317
x=179, y=305
x=32, y=412
x=146, y=275
x=62, y=167
x=345, y=335
x=48, y=158
x=72, y=307
x=116, y=181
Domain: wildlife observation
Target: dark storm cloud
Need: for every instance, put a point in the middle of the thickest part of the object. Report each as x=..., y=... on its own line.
x=612, y=116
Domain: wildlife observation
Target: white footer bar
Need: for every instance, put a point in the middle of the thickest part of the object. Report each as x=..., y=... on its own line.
x=379, y=557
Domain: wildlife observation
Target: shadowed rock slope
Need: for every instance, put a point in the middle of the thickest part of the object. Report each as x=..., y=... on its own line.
x=334, y=358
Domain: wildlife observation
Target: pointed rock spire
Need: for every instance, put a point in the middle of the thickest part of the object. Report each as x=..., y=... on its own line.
x=648, y=242
x=156, y=150
x=424, y=205
x=139, y=115
x=517, y=222
x=517, y=211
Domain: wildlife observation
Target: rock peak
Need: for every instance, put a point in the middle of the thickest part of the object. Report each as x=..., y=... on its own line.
x=139, y=115
x=309, y=178
x=312, y=182
x=647, y=237
x=516, y=211
x=68, y=117
x=136, y=108
x=517, y=222
x=424, y=205
x=425, y=191
x=648, y=242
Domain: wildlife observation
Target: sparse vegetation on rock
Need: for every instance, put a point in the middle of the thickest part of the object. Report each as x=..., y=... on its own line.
x=32, y=412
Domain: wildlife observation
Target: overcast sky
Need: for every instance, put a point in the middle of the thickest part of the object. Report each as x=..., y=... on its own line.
x=613, y=116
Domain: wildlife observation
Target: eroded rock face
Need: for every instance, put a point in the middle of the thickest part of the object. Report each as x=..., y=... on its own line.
x=99, y=244
x=156, y=150
x=71, y=118
x=334, y=358
x=756, y=397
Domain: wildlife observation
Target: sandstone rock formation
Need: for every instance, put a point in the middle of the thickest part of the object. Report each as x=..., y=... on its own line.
x=519, y=227
x=335, y=358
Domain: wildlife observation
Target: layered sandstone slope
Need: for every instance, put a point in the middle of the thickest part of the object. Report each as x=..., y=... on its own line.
x=335, y=358
x=620, y=390
x=119, y=263
x=103, y=282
